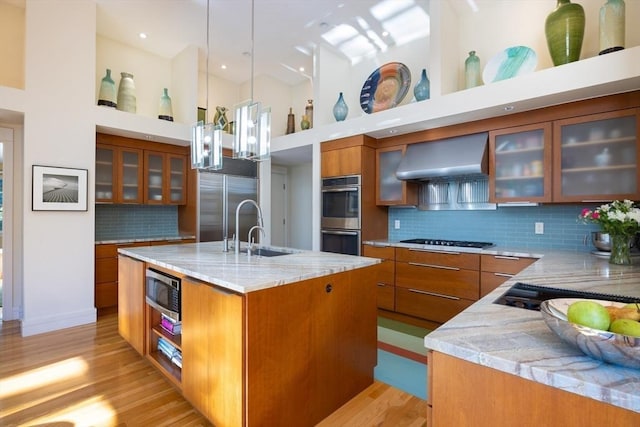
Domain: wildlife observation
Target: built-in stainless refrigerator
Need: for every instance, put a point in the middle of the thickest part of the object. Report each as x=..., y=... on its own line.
x=219, y=193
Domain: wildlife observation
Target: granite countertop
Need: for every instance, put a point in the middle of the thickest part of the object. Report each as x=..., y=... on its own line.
x=518, y=342
x=125, y=240
x=207, y=262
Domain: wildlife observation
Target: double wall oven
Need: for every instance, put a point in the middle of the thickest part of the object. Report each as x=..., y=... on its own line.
x=341, y=210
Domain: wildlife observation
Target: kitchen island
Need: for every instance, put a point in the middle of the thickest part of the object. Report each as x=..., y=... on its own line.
x=496, y=365
x=282, y=340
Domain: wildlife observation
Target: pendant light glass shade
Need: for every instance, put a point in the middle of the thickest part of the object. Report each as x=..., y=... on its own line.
x=206, y=146
x=252, y=137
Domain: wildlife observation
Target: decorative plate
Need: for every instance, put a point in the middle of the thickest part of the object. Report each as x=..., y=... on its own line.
x=385, y=88
x=511, y=62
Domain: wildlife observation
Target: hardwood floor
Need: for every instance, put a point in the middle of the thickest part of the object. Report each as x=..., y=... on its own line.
x=89, y=376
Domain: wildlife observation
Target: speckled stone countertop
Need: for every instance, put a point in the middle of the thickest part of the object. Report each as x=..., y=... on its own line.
x=125, y=240
x=207, y=262
x=518, y=342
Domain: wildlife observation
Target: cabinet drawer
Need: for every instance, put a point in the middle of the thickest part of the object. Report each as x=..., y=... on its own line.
x=386, y=296
x=489, y=281
x=386, y=272
x=430, y=307
x=384, y=252
x=505, y=264
x=106, y=251
x=439, y=258
x=106, y=270
x=106, y=294
x=457, y=283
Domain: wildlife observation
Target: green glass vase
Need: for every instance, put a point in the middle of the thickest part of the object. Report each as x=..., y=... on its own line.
x=564, y=30
x=472, y=73
x=107, y=95
x=165, y=110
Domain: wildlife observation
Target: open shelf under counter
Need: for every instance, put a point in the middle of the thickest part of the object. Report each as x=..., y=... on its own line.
x=115, y=122
x=172, y=372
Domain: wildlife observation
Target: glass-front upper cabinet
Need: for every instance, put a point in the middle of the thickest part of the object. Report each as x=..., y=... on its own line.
x=391, y=191
x=177, y=180
x=154, y=177
x=118, y=174
x=520, y=164
x=596, y=157
x=165, y=177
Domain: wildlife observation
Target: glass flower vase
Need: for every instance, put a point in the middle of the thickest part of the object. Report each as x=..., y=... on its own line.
x=340, y=109
x=620, y=249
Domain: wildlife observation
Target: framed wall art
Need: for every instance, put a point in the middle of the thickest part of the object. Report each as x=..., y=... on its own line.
x=59, y=189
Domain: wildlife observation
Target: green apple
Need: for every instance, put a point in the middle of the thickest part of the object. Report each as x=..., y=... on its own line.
x=625, y=327
x=590, y=314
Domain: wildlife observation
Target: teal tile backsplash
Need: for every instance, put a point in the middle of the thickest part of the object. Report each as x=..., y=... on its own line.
x=506, y=226
x=117, y=222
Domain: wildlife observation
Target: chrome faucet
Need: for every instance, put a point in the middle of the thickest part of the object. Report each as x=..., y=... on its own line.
x=260, y=222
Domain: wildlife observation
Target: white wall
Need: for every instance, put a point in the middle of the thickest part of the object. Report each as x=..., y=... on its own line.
x=58, y=270
x=300, y=206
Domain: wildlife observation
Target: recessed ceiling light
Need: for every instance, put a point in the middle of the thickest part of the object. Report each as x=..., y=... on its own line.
x=301, y=69
x=509, y=108
x=142, y=35
x=224, y=67
x=385, y=34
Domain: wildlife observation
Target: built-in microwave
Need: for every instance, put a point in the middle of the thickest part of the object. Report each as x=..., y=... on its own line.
x=341, y=202
x=163, y=293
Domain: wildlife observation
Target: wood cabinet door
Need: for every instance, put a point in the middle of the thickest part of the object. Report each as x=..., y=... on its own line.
x=520, y=164
x=345, y=161
x=106, y=173
x=155, y=176
x=596, y=157
x=212, y=352
x=131, y=302
x=176, y=181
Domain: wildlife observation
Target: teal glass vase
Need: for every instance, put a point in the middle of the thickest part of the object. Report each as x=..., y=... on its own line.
x=564, y=31
x=165, y=111
x=472, y=74
x=422, y=90
x=340, y=109
x=612, y=26
x=107, y=95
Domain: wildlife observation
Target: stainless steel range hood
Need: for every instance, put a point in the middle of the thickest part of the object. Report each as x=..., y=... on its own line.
x=446, y=158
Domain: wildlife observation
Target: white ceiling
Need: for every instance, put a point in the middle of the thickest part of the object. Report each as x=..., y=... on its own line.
x=282, y=30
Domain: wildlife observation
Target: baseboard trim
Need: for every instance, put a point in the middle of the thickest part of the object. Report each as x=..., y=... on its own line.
x=407, y=354
x=53, y=322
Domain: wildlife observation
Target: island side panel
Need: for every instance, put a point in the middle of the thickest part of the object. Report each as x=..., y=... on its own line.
x=131, y=302
x=459, y=391
x=311, y=347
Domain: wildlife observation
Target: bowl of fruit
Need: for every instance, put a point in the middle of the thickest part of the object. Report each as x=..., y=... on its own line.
x=605, y=330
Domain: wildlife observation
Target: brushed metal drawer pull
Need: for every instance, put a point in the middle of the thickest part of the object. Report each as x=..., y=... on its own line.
x=515, y=258
x=433, y=294
x=442, y=267
x=381, y=284
x=503, y=274
x=434, y=251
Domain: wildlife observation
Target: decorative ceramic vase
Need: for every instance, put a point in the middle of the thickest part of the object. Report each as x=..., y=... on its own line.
x=620, y=249
x=126, y=93
x=165, y=111
x=340, y=109
x=308, y=111
x=305, y=123
x=107, y=95
x=291, y=122
x=612, y=26
x=472, y=72
x=422, y=90
x=220, y=118
x=564, y=30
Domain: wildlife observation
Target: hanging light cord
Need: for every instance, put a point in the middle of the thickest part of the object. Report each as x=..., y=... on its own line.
x=252, y=43
x=207, y=66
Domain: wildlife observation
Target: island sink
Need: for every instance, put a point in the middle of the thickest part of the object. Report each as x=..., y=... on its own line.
x=266, y=252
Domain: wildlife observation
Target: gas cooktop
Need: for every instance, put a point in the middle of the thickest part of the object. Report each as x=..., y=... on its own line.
x=524, y=295
x=440, y=242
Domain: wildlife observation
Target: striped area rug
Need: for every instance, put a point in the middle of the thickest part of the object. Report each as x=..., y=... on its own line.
x=402, y=358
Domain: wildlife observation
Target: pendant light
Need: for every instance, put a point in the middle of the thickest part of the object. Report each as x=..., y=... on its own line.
x=252, y=137
x=206, y=138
